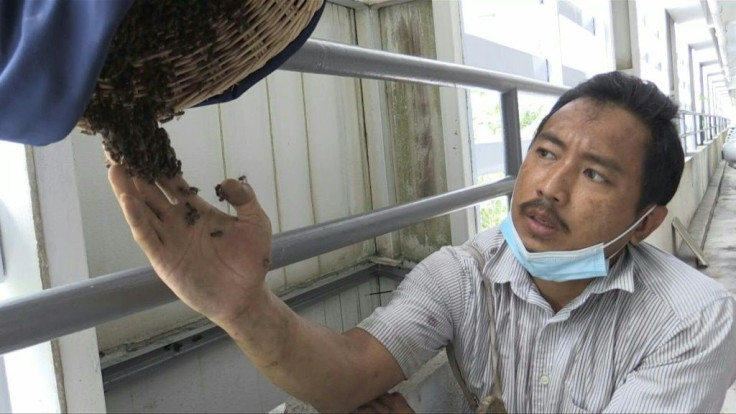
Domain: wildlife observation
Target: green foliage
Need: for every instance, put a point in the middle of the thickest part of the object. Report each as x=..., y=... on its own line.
x=487, y=116
x=488, y=125
x=529, y=117
x=493, y=211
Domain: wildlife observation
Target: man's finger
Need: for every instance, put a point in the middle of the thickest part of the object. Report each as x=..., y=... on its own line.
x=108, y=157
x=154, y=196
x=178, y=188
x=396, y=402
x=121, y=183
x=237, y=193
x=374, y=406
x=140, y=224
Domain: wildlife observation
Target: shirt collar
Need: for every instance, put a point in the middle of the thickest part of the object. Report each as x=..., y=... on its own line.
x=502, y=267
x=620, y=276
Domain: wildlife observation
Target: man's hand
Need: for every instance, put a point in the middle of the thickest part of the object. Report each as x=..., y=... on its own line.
x=214, y=262
x=387, y=403
x=217, y=265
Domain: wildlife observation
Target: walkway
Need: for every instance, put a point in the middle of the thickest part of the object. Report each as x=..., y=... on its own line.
x=720, y=249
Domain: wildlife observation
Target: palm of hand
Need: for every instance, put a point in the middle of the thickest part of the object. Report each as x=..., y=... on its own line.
x=213, y=261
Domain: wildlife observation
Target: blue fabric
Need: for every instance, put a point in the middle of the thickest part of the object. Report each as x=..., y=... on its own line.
x=51, y=53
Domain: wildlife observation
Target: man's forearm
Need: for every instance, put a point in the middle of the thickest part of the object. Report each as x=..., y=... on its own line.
x=332, y=371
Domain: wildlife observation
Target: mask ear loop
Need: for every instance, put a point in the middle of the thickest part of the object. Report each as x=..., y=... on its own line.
x=632, y=227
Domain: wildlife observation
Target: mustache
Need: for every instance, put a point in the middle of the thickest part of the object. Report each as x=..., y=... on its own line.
x=545, y=206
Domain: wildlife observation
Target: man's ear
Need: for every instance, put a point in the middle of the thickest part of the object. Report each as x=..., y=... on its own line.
x=649, y=224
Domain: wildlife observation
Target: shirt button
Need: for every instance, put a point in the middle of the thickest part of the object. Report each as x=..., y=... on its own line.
x=544, y=380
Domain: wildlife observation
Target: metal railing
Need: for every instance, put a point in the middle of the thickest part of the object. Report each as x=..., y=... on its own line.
x=62, y=310
x=330, y=58
x=698, y=128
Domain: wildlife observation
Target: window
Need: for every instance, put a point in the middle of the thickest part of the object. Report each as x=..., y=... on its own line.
x=487, y=152
x=653, y=46
x=487, y=149
x=565, y=42
x=517, y=24
x=509, y=36
x=583, y=43
x=532, y=108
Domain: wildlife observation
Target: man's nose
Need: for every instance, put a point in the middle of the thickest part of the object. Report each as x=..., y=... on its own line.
x=555, y=185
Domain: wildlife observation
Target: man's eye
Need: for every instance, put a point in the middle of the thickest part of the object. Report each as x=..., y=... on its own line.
x=543, y=153
x=595, y=176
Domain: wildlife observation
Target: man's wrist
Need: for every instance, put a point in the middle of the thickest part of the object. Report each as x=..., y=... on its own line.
x=261, y=327
x=247, y=308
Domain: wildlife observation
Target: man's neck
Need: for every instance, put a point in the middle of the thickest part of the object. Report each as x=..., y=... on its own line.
x=559, y=294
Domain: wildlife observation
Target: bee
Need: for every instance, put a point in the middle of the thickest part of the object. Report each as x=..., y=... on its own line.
x=192, y=214
x=219, y=192
x=170, y=115
x=185, y=191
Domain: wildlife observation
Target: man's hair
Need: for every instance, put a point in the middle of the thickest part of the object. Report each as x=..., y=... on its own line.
x=664, y=159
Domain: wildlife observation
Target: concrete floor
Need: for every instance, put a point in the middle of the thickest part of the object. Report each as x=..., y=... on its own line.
x=720, y=249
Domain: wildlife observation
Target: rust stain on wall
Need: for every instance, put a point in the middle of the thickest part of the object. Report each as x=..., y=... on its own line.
x=416, y=126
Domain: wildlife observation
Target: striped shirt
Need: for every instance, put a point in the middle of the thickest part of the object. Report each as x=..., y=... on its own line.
x=653, y=336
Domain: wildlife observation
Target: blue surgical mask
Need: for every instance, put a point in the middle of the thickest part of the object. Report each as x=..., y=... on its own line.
x=562, y=266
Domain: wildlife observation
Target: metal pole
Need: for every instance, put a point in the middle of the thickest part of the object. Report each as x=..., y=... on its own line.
x=63, y=310
x=330, y=58
x=511, y=131
x=4, y=393
x=694, y=139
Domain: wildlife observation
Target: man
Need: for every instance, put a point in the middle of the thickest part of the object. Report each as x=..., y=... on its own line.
x=587, y=317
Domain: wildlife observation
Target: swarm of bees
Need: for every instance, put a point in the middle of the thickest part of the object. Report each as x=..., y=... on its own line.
x=129, y=116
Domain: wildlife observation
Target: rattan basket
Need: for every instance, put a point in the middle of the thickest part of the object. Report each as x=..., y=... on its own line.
x=201, y=74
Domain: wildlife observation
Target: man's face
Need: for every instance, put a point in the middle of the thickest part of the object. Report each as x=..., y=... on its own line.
x=581, y=180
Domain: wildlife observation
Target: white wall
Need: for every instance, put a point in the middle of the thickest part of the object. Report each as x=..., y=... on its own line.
x=65, y=261
x=32, y=384
x=699, y=168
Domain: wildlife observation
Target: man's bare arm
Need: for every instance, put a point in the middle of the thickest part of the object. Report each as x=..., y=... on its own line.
x=217, y=264
x=333, y=372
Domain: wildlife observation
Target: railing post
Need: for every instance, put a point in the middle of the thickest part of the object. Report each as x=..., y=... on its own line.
x=4, y=393
x=511, y=131
x=683, y=132
x=695, y=131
